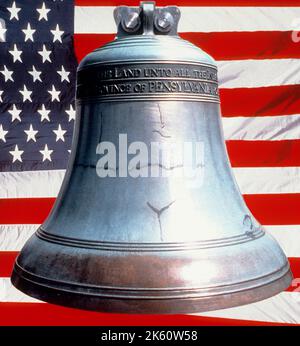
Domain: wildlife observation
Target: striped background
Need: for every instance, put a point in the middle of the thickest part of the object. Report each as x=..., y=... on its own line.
x=259, y=73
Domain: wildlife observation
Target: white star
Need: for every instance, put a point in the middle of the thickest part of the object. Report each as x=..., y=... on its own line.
x=7, y=74
x=44, y=113
x=45, y=54
x=54, y=94
x=15, y=113
x=2, y=31
x=17, y=154
x=14, y=10
x=31, y=133
x=64, y=74
x=1, y=92
x=57, y=34
x=2, y=134
x=60, y=133
x=43, y=11
x=46, y=153
x=35, y=74
x=16, y=53
x=29, y=33
x=26, y=94
x=71, y=113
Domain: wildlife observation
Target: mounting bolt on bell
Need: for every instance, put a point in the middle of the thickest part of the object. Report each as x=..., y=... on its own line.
x=131, y=22
x=163, y=21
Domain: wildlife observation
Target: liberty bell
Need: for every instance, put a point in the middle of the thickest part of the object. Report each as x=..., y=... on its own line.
x=149, y=218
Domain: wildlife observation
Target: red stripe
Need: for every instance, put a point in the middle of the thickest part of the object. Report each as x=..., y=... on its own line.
x=285, y=153
x=269, y=3
x=86, y=43
x=24, y=210
x=7, y=260
x=269, y=209
x=264, y=101
x=39, y=314
x=220, y=45
x=245, y=45
x=275, y=209
x=295, y=266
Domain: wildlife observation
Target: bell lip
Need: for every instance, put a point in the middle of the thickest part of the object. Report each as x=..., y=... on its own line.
x=81, y=299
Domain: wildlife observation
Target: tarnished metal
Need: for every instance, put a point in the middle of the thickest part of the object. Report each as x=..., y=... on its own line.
x=149, y=244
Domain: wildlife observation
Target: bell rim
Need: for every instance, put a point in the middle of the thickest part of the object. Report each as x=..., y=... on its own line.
x=81, y=298
x=155, y=305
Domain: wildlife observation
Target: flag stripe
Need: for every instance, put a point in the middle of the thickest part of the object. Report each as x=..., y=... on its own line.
x=255, y=3
x=198, y=19
x=7, y=260
x=289, y=239
x=269, y=209
x=282, y=127
x=86, y=43
x=12, y=314
x=264, y=153
x=258, y=73
x=242, y=3
x=8, y=293
x=221, y=45
x=31, y=183
x=256, y=181
x=13, y=237
x=275, y=209
x=24, y=210
x=283, y=307
x=245, y=45
x=263, y=101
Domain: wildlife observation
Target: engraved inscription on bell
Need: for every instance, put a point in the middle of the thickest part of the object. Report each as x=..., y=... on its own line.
x=199, y=81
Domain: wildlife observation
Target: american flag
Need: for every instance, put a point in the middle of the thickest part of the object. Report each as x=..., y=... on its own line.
x=257, y=48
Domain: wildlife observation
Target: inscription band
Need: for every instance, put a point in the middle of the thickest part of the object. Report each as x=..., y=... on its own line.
x=144, y=81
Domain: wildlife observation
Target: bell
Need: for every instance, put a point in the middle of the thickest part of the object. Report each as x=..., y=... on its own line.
x=149, y=218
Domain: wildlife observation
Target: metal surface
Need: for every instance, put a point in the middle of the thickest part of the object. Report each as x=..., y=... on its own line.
x=149, y=244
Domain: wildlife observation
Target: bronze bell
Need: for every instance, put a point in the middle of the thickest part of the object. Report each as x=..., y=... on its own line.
x=122, y=239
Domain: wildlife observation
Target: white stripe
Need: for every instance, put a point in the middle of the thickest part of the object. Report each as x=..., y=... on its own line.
x=262, y=128
x=258, y=73
x=251, y=180
x=220, y=19
x=8, y=293
x=264, y=180
x=97, y=19
x=30, y=183
x=288, y=237
x=282, y=308
x=13, y=237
